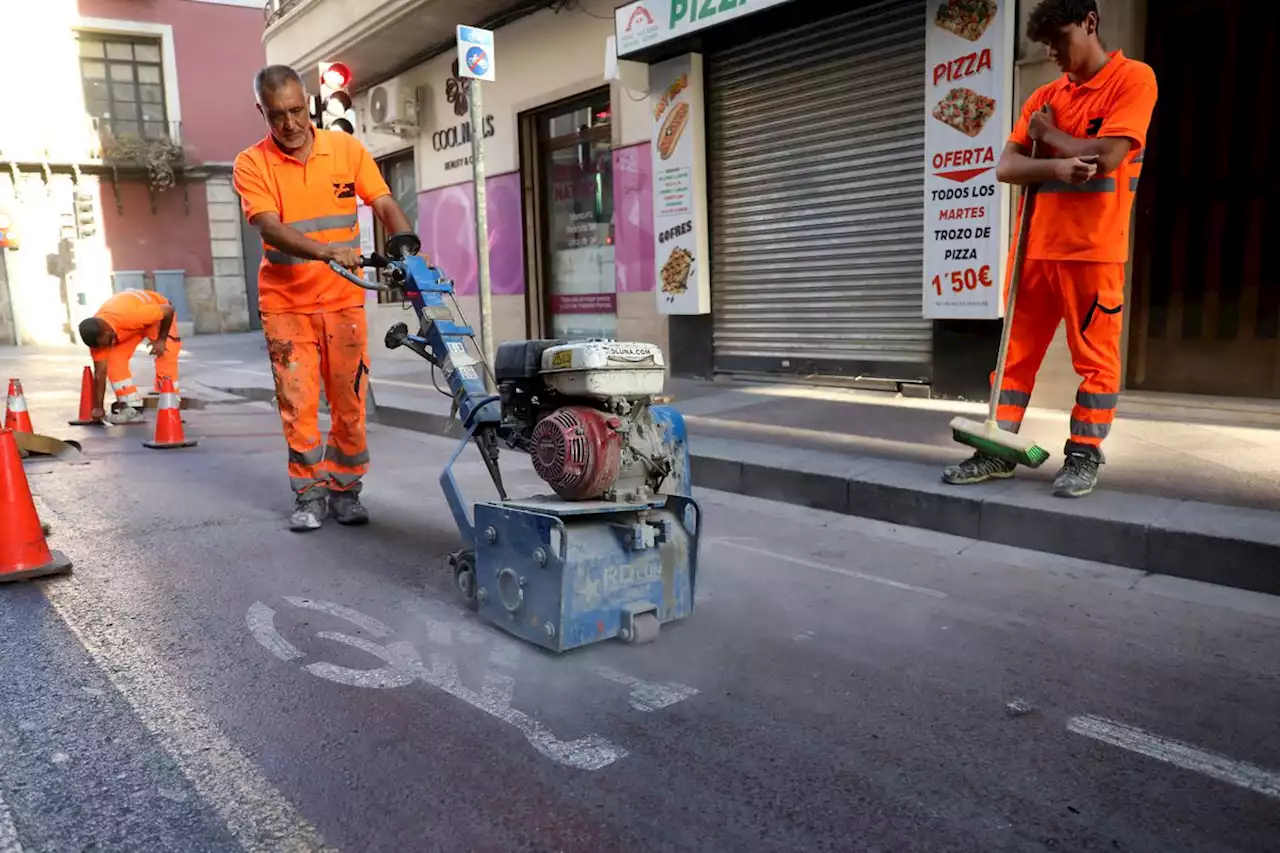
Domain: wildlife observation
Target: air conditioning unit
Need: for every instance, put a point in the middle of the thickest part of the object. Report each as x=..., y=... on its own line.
x=393, y=108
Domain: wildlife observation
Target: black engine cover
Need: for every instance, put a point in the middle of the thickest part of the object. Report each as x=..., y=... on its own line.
x=519, y=360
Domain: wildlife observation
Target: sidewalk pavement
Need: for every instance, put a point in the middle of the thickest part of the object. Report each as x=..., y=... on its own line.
x=1191, y=487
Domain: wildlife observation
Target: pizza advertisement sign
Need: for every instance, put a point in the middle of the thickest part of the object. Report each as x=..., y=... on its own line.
x=680, y=236
x=968, y=114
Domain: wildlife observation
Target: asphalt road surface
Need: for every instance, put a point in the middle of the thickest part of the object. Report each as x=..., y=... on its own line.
x=207, y=680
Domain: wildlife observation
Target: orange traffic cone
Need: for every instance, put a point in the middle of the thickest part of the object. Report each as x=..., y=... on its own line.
x=86, y=401
x=168, y=420
x=15, y=415
x=23, y=552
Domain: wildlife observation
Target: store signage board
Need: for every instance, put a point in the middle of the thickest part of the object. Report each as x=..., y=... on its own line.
x=969, y=111
x=649, y=22
x=678, y=137
x=475, y=53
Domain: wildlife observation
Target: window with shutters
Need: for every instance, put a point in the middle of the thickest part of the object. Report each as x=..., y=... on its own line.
x=124, y=83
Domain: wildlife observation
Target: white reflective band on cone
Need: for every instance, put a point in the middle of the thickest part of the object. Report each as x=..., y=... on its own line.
x=168, y=401
x=17, y=404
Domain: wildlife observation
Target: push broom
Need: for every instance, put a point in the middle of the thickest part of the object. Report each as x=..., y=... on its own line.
x=988, y=437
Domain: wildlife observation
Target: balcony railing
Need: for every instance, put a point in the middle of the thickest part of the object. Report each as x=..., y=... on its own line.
x=274, y=10
x=155, y=148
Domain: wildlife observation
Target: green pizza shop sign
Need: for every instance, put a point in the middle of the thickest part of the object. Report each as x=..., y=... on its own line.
x=648, y=22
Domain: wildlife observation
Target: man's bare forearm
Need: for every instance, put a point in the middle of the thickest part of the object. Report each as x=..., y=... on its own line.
x=390, y=214
x=166, y=323
x=99, y=384
x=1022, y=170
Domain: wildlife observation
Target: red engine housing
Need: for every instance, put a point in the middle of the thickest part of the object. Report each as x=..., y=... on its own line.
x=578, y=452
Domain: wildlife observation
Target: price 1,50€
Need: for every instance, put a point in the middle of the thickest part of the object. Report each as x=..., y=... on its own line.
x=962, y=280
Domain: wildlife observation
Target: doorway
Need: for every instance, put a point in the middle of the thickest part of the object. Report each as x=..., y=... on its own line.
x=1206, y=300
x=572, y=159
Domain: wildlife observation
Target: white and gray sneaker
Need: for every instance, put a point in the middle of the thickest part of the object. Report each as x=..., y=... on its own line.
x=125, y=415
x=309, y=512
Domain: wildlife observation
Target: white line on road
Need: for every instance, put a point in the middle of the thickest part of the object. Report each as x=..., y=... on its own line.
x=848, y=573
x=1242, y=774
x=9, y=842
x=258, y=815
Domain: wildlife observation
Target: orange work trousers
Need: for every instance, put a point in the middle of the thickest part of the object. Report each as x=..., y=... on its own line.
x=1089, y=298
x=309, y=352
x=120, y=374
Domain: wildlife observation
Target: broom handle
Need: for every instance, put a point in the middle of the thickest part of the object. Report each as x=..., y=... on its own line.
x=1019, y=255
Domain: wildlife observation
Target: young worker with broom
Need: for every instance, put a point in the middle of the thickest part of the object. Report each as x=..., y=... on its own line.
x=1088, y=130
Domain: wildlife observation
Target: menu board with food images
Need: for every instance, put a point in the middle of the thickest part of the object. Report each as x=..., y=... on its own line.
x=969, y=106
x=679, y=186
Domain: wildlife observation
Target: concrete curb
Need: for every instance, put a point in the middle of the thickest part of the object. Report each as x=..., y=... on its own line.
x=1229, y=546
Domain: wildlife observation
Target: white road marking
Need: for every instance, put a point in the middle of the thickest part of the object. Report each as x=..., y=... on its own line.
x=401, y=670
x=365, y=623
x=848, y=573
x=9, y=842
x=262, y=626
x=260, y=817
x=1250, y=776
x=647, y=696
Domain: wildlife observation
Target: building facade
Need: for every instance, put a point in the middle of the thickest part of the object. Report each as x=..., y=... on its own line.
x=115, y=161
x=807, y=182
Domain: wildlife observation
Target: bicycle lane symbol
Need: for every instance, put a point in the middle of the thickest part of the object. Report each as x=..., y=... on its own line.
x=403, y=665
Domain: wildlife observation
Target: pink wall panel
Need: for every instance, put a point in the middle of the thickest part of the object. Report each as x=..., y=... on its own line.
x=169, y=239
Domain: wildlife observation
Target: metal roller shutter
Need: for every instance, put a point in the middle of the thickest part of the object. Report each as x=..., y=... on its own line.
x=816, y=152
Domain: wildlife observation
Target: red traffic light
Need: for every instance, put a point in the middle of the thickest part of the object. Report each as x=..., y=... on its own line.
x=335, y=75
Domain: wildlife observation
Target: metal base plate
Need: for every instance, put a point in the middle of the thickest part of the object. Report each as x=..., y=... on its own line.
x=555, y=505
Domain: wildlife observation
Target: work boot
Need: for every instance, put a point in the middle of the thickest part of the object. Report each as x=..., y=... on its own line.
x=1079, y=473
x=978, y=468
x=310, y=511
x=347, y=509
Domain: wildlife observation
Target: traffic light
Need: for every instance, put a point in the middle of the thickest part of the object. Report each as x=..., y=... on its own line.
x=335, y=108
x=86, y=220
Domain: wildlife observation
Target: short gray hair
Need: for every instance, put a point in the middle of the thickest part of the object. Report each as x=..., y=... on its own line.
x=273, y=78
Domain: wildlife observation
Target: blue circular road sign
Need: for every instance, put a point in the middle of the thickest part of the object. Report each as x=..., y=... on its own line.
x=478, y=60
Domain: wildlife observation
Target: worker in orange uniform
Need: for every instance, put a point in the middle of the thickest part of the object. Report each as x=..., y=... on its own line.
x=298, y=187
x=113, y=334
x=1091, y=125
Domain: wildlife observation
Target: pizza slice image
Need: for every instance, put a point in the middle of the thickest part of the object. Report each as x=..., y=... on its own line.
x=968, y=19
x=965, y=110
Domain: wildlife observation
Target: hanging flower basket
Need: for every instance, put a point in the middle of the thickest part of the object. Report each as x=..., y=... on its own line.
x=162, y=158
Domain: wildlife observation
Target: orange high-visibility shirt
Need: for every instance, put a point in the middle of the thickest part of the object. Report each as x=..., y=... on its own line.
x=134, y=314
x=317, y=198
x=1090, y=221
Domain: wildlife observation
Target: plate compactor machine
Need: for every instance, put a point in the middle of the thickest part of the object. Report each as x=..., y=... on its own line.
x=613, y=551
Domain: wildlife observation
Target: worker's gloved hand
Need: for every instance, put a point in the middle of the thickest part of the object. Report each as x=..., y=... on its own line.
x=347, y=257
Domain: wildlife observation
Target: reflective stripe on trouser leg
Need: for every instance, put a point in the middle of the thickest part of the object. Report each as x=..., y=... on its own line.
x=1093, y=303
x=346, y=383
x=293, y=347
x=1035, y=320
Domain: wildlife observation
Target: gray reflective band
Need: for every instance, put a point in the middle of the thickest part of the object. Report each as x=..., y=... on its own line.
x=1021, y=399
x=122, y=384
x=1133, y=185
x=1010, y=426
x=307, y=457
x=333, y=454
x=1085, y=430
x=323, y=223
x=302, y=484
x=1141, y=154
x=1088, y=400
x=345, y=480
x=1097, y=185
x=275, y=256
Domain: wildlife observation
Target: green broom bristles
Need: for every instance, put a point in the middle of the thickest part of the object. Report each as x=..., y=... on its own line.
x=990, y=439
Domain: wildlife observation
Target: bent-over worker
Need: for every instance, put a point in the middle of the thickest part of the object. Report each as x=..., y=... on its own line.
x=1095, y=132
x=298, y=187
x=113, y=334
